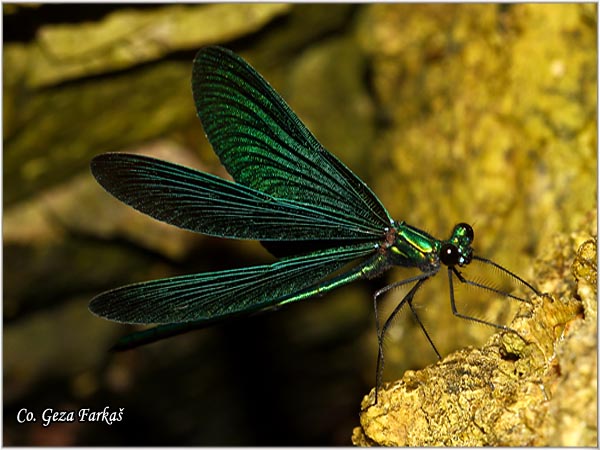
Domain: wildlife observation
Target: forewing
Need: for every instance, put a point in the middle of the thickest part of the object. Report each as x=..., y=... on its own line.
x=264, y=145
x=207, y=204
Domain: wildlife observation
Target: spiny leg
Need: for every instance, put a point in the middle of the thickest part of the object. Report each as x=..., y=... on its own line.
x=381, y=332
x=455, y=312
x=514, y=275
x=389, y=287
x=416, y=316
x=464, y=280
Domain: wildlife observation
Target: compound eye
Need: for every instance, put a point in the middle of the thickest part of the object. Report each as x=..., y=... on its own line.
x=449, y=255
x=465, y=230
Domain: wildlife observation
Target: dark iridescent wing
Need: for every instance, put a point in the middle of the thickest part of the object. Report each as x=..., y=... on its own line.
x=263, y=144
x=207, y=204
x=289, y=188
x=214, y=296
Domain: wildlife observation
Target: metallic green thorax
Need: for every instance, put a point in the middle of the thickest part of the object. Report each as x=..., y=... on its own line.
x=411, y=247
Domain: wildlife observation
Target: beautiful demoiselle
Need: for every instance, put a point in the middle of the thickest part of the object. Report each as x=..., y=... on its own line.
x=287, y=189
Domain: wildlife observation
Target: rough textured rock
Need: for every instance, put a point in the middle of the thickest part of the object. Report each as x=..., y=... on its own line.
x=536, y=391
x=131, y=36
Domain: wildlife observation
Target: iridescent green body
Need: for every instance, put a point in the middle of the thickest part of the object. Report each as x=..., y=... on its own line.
x=287, y=188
